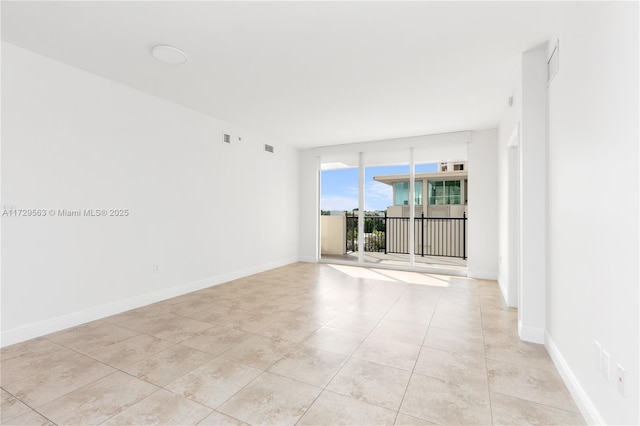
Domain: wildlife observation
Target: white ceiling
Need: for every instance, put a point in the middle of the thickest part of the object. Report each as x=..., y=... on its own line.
x=304, y=73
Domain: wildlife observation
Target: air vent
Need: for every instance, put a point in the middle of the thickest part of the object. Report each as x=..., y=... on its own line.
x=268, y=148
x=226, y=138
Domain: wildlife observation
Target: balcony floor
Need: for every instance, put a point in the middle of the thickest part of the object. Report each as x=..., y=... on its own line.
x=454, y=265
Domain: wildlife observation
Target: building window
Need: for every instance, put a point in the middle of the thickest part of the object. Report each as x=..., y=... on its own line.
x=402, y=193
x=444, y=192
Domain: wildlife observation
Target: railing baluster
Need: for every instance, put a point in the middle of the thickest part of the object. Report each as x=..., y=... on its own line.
x=387, y=232
x=444, y=237
x=464, y=235
x=448, y=237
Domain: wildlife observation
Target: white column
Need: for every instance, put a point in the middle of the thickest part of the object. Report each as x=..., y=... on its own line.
x=318, y=253
x=361, y=207
x=532, y=294
x=412, y=210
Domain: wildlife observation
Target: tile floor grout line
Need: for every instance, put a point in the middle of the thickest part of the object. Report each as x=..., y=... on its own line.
x=136, y=402
x=417, y=358
x=297, y=344
x=48, y=419
x=173, y=345
x=26, y=405
x=74, y=390
x=261, y=374
x=33, y=374
x=236, y=393
x=486, y=365
x=85, y=385
x=537, y=403
x=349, y=357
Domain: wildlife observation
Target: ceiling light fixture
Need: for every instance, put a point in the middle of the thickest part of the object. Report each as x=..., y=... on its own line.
x=169, y=54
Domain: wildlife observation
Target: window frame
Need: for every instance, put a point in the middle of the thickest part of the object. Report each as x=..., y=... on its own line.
x=418, y=193
x=445, y=195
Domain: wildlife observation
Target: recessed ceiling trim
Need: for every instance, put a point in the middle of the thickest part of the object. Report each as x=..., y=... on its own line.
x=169, y=54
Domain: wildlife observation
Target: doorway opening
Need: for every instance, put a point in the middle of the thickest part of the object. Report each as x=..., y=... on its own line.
x=385, y=210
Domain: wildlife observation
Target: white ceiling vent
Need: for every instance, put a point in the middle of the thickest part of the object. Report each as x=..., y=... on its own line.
x=226, y=138
x=268, y=148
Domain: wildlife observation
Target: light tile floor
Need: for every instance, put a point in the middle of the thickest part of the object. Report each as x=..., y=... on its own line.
x=308, y=344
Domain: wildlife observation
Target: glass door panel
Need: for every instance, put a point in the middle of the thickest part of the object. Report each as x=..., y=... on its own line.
x=339, y=207
x=440, y=234
x=387, y=207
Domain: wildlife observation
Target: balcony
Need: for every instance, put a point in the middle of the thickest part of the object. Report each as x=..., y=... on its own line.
x=438, y=241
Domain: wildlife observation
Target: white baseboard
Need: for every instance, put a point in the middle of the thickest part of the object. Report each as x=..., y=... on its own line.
x=506, y=295
x=308, y=259
x=41, y=328
x=584, y=403
x=504, y=290
x=531, y=334
x=482, y=275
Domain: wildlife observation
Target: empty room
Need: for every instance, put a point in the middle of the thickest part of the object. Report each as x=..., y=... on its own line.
x=320, y=213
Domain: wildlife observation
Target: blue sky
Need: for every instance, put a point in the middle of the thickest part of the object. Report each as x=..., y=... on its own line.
x=340, y=187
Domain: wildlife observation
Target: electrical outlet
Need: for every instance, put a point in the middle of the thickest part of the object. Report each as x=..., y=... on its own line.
x=606, y=366
x=620, y=378
x=597, y=354
x=156, y=268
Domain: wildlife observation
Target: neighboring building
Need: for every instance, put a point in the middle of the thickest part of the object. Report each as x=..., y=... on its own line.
x=438, y=194
x=442, y=197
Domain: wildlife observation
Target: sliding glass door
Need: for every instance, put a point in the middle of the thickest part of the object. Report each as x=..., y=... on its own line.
x=401, y=207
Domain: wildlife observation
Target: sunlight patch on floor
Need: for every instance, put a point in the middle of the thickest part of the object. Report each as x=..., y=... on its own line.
x=392, y=275
x=416, y=277
x=359, y=272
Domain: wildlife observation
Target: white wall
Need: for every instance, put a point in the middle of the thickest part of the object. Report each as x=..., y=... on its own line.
x=589, y=216
x=483, y=205
x=508, y=184
x=592, y=215
x=204, y=211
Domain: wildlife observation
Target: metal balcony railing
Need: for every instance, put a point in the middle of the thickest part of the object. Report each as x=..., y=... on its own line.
x=446, y=237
